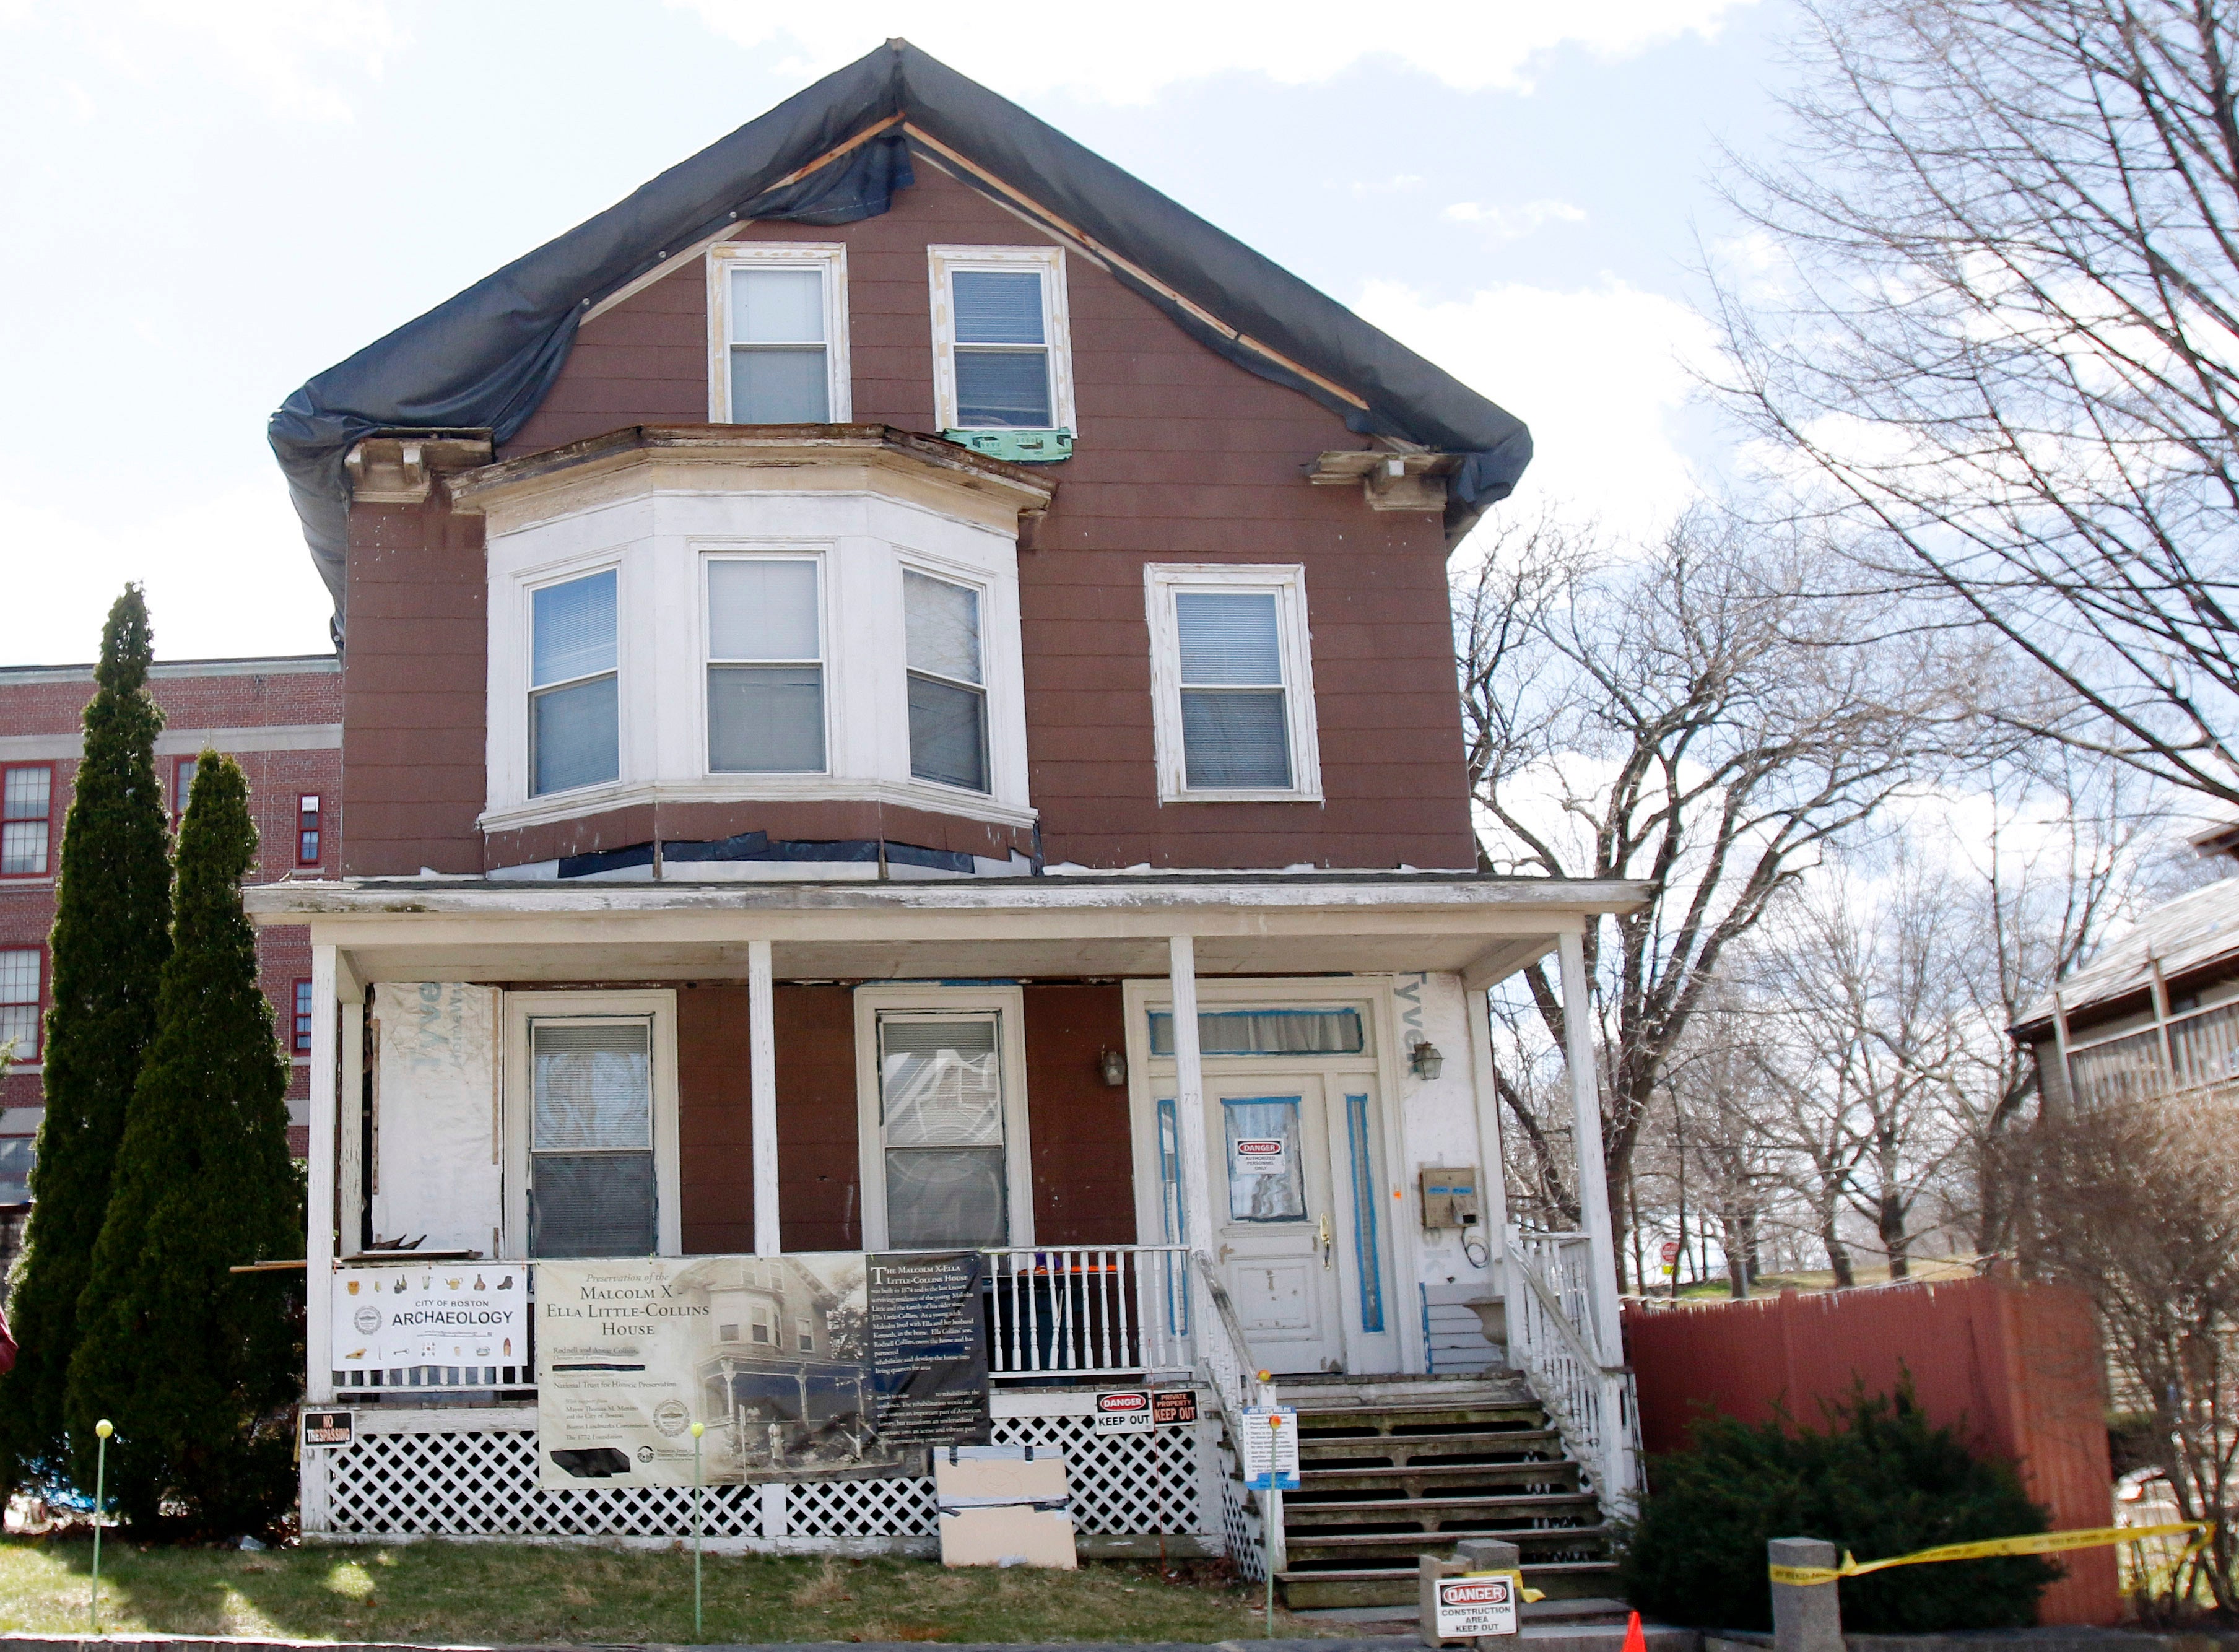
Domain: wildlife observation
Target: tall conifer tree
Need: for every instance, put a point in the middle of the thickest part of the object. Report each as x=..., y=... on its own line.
x=197, y=1366
x=112, y=934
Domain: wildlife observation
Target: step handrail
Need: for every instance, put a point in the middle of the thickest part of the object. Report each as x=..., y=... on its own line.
x=1226, y=1354
x=1591, y=1403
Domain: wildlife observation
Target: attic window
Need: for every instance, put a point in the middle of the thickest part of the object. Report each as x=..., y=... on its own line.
x=777, y=333
x=1002, y=350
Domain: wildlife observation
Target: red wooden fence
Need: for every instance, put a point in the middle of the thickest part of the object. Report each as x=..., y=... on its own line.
x=2016, y=1367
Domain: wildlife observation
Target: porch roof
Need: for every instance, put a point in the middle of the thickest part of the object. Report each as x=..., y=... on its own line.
x=1482, y=926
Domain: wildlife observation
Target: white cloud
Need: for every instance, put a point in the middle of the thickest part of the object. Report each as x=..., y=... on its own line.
x=1514, y=223
x=302, y=61
x=226, y=574
x=1469, y=44
x=1599, y=374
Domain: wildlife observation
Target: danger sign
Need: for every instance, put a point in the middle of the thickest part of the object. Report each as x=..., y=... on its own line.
x=1260, y=1156
x=1139, y=1408
x=1479, y=1603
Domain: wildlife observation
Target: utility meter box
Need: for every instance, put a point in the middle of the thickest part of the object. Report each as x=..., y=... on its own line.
x=1450, y=1197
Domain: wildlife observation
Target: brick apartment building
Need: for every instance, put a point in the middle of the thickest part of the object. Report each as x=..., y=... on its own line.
x=282, y=719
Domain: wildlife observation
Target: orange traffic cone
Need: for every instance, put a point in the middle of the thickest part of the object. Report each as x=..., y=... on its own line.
x=1634, y=1640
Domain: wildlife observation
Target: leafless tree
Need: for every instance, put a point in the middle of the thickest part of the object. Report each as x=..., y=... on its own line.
x=1688, y=716
x=2137, y=1202
x=2002, y=331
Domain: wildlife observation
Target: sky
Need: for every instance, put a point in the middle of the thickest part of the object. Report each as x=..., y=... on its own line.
x=207, y=202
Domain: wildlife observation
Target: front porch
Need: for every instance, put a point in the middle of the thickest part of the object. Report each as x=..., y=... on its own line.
x=1185, y=1116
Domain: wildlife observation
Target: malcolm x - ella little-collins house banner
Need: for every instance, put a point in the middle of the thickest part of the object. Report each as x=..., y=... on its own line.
x=815, y=1365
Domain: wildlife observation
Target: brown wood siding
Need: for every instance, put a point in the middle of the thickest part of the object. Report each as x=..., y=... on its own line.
x=1084, y=1168
x=819, y=1198
x=414, y=687
x=1183, y=456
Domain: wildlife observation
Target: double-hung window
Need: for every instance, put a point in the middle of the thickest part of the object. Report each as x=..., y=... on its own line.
x=574, y=727
x=942, y=1127
x=21, y=968
x=308, y=834
x=300, y=1028
x=182, y=785
x=26, y=810
x=778, y=334
x=591, y=1183
x=765, y=666
x=1002, y=359
x=947, y=683
x=1232, y=682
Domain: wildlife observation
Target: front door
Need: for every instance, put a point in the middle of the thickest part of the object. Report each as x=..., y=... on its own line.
x=1275, y=1225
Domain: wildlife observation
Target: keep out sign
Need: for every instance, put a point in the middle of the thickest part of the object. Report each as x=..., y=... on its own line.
x=1482, y=1605
x=1135, y=1408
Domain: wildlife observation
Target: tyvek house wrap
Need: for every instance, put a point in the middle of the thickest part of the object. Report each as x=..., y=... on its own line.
x=484, y=359
x=436, y=1102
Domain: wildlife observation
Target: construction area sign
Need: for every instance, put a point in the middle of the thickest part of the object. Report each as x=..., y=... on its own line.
x=1478, y=1603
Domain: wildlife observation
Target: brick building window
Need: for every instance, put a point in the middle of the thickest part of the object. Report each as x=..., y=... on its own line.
x=26, y=809
x=307, y=830
x=182, y=782
x=300, y=1038
x=21, y=970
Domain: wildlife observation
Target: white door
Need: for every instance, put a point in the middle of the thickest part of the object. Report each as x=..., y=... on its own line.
x=1275, y=1237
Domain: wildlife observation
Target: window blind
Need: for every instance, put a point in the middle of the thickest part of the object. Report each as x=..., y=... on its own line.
x=1235, y=724
x=574, y=625
x=1001, y=352
x=764, y=718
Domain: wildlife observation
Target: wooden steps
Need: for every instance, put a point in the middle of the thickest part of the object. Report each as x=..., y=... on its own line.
x=1392, y=1468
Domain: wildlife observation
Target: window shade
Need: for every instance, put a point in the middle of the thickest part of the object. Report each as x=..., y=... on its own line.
x=1235, y=739
x=574, y=627
x=1002, y=389
x=575, y=736
x=762, y=608
x=948, y=733
x=591, y=1204
x=777, y=306
x=1264, y=1033
x=1228, y=637
x=998, y=307
x=594, y=1087
x=766, y=720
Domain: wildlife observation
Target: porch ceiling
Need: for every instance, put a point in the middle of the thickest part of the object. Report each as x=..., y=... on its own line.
x=1047, y=927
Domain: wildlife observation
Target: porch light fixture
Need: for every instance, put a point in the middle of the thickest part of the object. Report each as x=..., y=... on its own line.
x=1113, y=1066
x=1423, y=1059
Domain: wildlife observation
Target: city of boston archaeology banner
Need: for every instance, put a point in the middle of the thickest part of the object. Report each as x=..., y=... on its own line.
x=819, y=1366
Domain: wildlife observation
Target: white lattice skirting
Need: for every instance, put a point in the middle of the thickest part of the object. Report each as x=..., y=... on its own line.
x=461, y=1478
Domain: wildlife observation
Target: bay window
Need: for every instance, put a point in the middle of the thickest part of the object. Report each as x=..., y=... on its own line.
x=574, y=726
x=947, y=688
x=765, y=666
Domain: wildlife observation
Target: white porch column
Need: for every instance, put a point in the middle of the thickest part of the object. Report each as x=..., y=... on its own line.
x=1586, y=1128
x=761, y=1080
x=319, y=1236
x=1189, y=1096
x=349, y=1155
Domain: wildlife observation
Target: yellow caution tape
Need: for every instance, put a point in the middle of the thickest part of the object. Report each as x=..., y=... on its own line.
x=1517, y=1582
x=2042, y=1542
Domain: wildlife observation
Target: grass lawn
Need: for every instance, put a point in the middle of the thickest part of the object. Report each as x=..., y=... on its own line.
x=513, y=1593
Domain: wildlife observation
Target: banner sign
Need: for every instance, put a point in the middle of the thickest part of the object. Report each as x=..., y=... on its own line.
x=1142, y=1408
x=816, y=1365
x=1480, y=1603
x=431, y=1325
x=1269, y=1437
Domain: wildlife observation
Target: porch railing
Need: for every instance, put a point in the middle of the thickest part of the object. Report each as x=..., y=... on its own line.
x=1590, y=1400
x=1090, y=1311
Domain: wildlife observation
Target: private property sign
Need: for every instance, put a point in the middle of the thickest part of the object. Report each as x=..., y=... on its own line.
x=1127, y=1409
x=1479, y=1603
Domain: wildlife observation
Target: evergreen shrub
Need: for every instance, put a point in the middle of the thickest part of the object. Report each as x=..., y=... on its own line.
x=199, y=1367
x=1879, y=1481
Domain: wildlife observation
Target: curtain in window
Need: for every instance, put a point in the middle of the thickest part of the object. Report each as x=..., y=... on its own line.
x=941, y=1103
x=1235, y=732
x=1265, y=1181
x=591, y=1176
x=574, y=717
x=1264, y=1033
x=766, y=718
x=778, y=369
x=1001, y=355
x=947, y=697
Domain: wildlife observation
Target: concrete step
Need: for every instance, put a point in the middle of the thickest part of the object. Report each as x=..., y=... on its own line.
x=1372, y=1585
x=1303, y=1520
x=1313, y=1393
x=1436, y=1480
x=1415, y=1450
x=1312, y=1550
x=1362, y=1421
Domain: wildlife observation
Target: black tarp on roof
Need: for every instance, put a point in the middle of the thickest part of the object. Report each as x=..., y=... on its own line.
x=484, y=359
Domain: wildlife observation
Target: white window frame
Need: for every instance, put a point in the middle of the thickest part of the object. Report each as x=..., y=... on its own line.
x=528, y=586
x=827, y=258
x=1008, y=1003
x=826, y=636
x=1057, y=325
x=1288, y=582
x=907, y=564
x=658, y=1006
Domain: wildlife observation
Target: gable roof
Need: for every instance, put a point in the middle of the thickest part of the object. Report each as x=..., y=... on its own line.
x=832, y=154
x=2197, y=929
